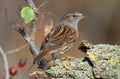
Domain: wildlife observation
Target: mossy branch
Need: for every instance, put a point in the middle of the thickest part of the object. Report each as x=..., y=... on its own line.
x=105, y=60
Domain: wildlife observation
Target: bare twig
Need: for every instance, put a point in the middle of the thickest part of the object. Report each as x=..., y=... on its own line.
x=8, y=18
x=42, y=5
x=5, y=63
x=16, y=50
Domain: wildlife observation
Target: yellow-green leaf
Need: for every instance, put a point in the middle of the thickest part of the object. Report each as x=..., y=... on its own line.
x=27, y=14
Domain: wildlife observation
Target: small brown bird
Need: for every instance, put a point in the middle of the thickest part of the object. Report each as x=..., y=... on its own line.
x=61, y=37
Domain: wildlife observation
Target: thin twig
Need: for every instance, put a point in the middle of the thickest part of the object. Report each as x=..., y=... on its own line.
x=5, y=63
x=16, y=50
x=8, y=18
x=42, y=5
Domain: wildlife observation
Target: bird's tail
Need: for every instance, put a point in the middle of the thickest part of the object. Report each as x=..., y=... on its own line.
x=40, y=57
x=37, y=60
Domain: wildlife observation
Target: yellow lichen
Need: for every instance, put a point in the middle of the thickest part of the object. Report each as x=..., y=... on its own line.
x=110, y=61
x=106, y=54
x=92, y=56
x=65, y=65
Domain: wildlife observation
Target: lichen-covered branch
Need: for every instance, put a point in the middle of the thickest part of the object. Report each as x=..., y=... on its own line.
x=105, y=60
x=73, y=68
x=33, y=30
x=5, y=63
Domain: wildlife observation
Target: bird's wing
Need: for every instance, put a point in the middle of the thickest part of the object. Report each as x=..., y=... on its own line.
x=59, y=36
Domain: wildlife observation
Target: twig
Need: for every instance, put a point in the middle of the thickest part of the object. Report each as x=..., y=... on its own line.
x=16, y=50
x=8, y=18
x=32, y=31
x=32, y=5
x=42, y=5
x=5, y=63
x=28, y=39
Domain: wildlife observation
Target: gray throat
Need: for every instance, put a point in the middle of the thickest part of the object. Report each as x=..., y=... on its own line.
x=73, y=25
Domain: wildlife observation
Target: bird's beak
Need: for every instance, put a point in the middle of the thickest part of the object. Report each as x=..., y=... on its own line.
x=82, y=17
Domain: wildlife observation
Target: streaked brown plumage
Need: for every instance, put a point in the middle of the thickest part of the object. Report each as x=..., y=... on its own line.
x=61, y=37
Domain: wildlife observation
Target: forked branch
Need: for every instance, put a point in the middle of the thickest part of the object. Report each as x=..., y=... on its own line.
x=5, y=62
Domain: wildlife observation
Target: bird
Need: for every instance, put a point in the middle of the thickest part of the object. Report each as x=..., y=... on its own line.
x=62, y=36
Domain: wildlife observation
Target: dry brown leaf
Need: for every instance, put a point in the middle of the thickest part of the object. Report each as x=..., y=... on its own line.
x=48, y=27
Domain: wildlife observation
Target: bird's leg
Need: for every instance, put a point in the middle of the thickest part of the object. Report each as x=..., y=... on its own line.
x=55, y=55
x=60, y=55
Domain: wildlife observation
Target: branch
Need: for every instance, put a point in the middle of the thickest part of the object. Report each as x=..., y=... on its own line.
x=30, y=37
x=32, y=31
x=16, y=50
x=42, y=5
x=32, y=5
x=5, y=62
x=72, y=68
x=105, y=61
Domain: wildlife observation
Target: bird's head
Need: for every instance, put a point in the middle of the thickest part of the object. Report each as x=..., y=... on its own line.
x=72, y=19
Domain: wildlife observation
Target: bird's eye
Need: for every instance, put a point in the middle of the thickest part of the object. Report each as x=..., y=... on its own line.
x=74, y=16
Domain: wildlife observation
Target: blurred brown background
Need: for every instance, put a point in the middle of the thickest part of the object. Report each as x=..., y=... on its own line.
x=102, y=24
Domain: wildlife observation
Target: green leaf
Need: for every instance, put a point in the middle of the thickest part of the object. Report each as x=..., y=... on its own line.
x=27, y=14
